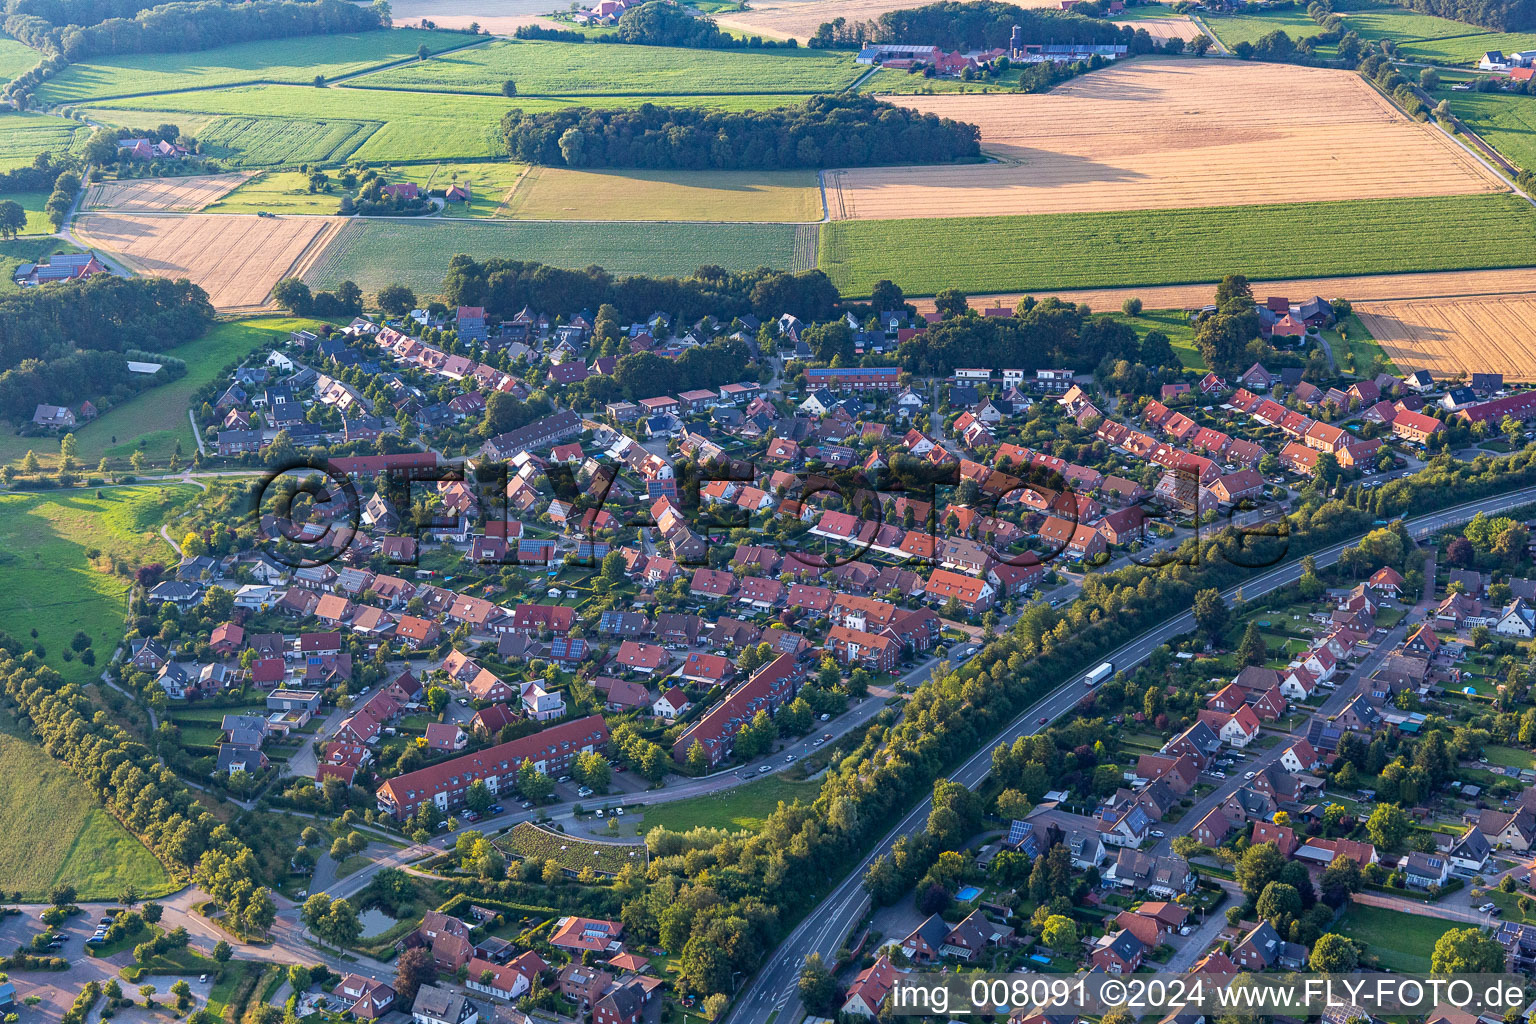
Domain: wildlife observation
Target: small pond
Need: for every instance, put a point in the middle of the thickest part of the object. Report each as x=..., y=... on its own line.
x=375, y=922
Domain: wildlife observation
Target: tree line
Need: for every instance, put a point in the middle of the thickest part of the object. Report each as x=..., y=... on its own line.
x=174, y=27
x=824, y=131
x=65, y=342
x=968, y=25
x=506, y=286
x=1047, y=332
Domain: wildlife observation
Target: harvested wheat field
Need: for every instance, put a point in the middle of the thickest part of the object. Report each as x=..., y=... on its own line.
x=1455, y=337
x=1163, y=29
x=498, y=17
x=236, y=259
x=1373, y=288
x=799, y=19
x=1171, y=134
x=148, y=195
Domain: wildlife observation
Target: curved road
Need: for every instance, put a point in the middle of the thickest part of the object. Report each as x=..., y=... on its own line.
x=773, y=990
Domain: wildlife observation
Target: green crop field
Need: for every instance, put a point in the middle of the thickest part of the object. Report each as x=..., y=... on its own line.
x=47, y=580
x=1506, y=121
x=1250, y=28
x=267, y=60
x=52, y=832
x=380, y=252
x=744, y=807
x=277, y=141
x=1084, y=250
x=23, y=136
x=157, y=418
x=569, y=69
x=417, y=126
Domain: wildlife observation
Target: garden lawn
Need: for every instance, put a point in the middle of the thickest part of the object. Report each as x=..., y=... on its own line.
x=1085, y=250
x=558, y=193
x=53, y=832
x=1509, y=757
x=1354, y=350
x=1402, y=942
x=375, y=253
x=544, y=68
x=48, y=583
x=489, y=183
x=294, y=60
x=741, y=807
x=158, y=417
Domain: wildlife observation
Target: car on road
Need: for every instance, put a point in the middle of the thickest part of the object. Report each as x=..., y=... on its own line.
x=765, y=768
x=788, y=758
x=825, y=717
x=202, y=979
x=819, y=742
x=464, y=701
x=1042, y=720
x=1248, y=775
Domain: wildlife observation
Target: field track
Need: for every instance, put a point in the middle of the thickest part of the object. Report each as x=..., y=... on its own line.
x=158, y=195
x=1374, y=288
x=236, y=259
x=1171, y=134
x=1454, y=337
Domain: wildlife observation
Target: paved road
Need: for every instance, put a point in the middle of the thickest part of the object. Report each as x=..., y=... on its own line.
x=823, y=930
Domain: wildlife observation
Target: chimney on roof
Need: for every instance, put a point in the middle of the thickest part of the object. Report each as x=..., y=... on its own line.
x=1016, y=41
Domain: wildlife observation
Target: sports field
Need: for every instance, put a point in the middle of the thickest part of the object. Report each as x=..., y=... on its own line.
x=556, y=193
x=53, y=832
x=1455, y=337
x=296, y=60
x=376, y=253
x=24, y=135
x=1082, y=250
x=144, y=195
x=49, y=580
x=570, y=69
x=236, y=260
x=1171, y=134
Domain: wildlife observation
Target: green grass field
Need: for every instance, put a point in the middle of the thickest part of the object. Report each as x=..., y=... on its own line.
x=1419, y=37
x=1080, y=250
x=48, y=583
x=52, y=832
x=1172, y=322
x=158, y=417
x=744, y=807
x=376, y=253
x=278, y=192
x=569, y=69
x=37, y=221
x=1403, y=942
x=558, y=193
x=1506, y=121
x=23, y=136
x=1356, y=350
x=267, y=60
x=280, y=141
x=15, y=58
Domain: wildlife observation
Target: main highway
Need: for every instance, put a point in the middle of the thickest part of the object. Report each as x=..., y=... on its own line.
x=772, y=992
